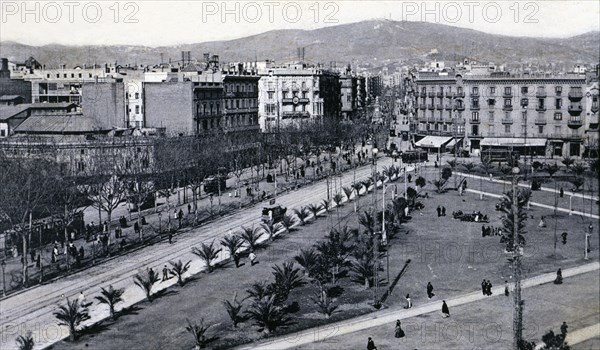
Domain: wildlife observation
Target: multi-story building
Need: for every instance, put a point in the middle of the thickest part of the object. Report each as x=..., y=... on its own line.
x=13, y=87
x=534, y=114
x=295, y=93
x=241, y=100
x=352, y=94
x=592, y=100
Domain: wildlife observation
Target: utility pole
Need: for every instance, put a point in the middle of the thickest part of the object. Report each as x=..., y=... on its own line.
x=518, y=309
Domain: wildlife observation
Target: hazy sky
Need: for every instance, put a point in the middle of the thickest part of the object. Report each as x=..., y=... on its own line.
x=156, y=23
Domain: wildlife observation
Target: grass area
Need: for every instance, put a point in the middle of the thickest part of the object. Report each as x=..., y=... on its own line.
x=449, y=253
x=487, y=324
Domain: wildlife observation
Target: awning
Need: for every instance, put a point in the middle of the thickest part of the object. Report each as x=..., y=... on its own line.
x=513, y=141
x=433, y=141
x=453, y=142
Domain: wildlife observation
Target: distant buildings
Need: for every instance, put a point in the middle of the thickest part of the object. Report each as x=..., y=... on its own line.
x=13, y=87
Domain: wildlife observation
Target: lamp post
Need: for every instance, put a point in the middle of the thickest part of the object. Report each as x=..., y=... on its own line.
x=3, y=264
x=517, y=312
x=587, y=240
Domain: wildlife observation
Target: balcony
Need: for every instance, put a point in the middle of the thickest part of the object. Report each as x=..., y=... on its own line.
x=430, y=106
x=541, y=94
x=540, y=108
x=295, y=115
x=422, y=106
x=474, y=135
x=594, y=107
x=475, y=121
x=422, y=94
x=572, y=137
x=507, y=120
x=507, y=108
x=459, y=94
x=475, y=94
x=507, y=94
x=439, y=106
x=575, y=95
x=474, y=107
x=460, y=107
x=439, y=94
x=431, y=94
x=575, y=109
x=574, y=123
x=540, y=121
x=431, y=119
x=448, y=107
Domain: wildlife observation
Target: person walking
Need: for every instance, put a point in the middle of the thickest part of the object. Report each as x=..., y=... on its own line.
x=399, y=332
x=562, y=192
x=443, y=210
x=165, y=272
x=430, y=290
x=483, y=287
x=180, y=217
x=236, y=259
x=559, y=278
x=408, y=302
x=252, y=258
x=445, y=309
x=439, y=211
x=564, y=329
x=170, y=237
x=189, y=206
x=81, y=299
x=489, y=288
x=506, y=292
x=371, y=344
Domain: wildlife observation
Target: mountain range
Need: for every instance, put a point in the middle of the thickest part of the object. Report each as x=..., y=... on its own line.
x=372, y=44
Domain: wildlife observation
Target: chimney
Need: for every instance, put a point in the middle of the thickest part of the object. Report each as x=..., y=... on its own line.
x=4, y=64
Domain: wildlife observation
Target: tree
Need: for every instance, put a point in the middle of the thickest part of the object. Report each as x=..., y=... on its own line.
x=139, y=190
x=578, y=169
x=72, y=315
x=446, y=173
x=234, y=310
x=198, y=331
x=270, y=229
x=348, y=192
x=287, y=278
x=178, y=269
x=577, y=182
x=111, y=297
x=232, y=243
x=251, y=235
x=326, y=205
x=523, y=197
x=267, y=315
x=146, y=281
x=420, y=182
x=314, y=209
x=568, y=161
x=287, y=221
x=551, y=169
x=325, y=305
x=302, y=214
x=363, y=270
x=25, y=342
x=307, y=258
x=367, y=220
x=259, y=290
x=207, y=253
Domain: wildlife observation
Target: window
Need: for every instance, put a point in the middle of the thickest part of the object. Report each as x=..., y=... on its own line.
x=524, y=102
x=2, y=132
x=80, y=75
x=270, y=93
x=558, y=103
x=65, y=75
x=524, y=115
x=491, y=115
x=475, y=90
x=507, y=128
x=137, y=109
x=475, y=116
x=492, y=90
x=475, y=102
x=137, y=95
x=524, y=90
x=540, y=129
x=507, y=102
x=558, y=90
x=508, y=90
x=558, y=116
x=475, y=130
x=491, y=102
x=541, y=103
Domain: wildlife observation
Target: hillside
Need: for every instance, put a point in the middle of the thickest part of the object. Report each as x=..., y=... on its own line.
x=375, y=43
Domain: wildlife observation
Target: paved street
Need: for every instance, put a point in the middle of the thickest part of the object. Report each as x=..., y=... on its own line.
x=32, y=309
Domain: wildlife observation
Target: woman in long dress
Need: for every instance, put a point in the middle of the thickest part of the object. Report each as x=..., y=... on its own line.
x=445, y=310
x=399, y=331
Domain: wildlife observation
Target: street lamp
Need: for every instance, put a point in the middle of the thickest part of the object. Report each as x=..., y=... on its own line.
x=3, y=264
x=517, y=312
x=587, y=240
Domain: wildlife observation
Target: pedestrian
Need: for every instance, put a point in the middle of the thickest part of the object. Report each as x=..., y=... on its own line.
x=443, y=210
x=399, y=333
x=430, y=290
x=445, y=310
x=189, y=206
x=564, y=329
x=371, y=344
x=439, y=211
x=408, y=302
x=483, y=231
x=559, y=278
x=562, y=192
x=236, y=259
x=542, y=222
x=460, y=191
x=38, y=262
x=506, y=292
x=180, y=217
x=483, y=287
x=81, y=299
x=252, y=258
x=81, y=253
x=32, y=254
x=564, y=237
x=489, y=288
x=136, y=227
x=165, y=272
x=170, y=237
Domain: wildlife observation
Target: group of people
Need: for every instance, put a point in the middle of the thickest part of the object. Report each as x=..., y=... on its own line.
x=476, y=216
x=490, y=231
x=441, y=211
x=486, y=287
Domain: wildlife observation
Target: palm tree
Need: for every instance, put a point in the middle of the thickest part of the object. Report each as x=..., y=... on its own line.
x=348, y=192
x=307, y=258
x=326, y=205
x=267, y=315
x=287, y=221
x=453, y=164
x=367, y=220
x=250, y=236
x=72, y=316
x=232, y=243
x=179, y=269
x=234, y=310
x=111, y=297
x=25, y=342
x=363, y=270
x=146, y=281
x=198, y=331
x=287, y=278
x=357, y=187
x=259, y=290
x=567, y=161
x=551, y=169
x=302, y=214
x=578, y=169
x=269, y=229
x=325, y=305
x=314, y=209
x=207, y=253
x=523, y=197
x=337, y=199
